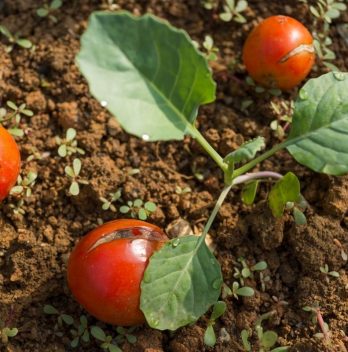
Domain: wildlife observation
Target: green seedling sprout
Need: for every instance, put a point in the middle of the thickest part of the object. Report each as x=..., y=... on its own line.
x=317, y=318
x=107, y=340
x=247, y=272
x=210, y=50
x=48, y=10
x=323, y=12
x=14, y=116
x=209, y=4
x=325, y=270
x=168, y=105
x=61, y=318
x=68, y=145
x=236, y=290
x=14, y=39
x=108, y=204
x=74, y=174
x=182, y=191
x=138, y=209
x=258, y=89
x=209, y=335
x=6, y=332
x=81, y=333
x=125, y=335
x=233, y=10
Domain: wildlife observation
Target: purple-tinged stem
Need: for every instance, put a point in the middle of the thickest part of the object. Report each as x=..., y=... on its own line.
x=255, y=176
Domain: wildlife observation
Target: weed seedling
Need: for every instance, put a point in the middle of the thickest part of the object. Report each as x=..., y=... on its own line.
x=138, y=209
x=236, y=290
x=14, y=116
x=317, y=318
x=325, y=270
x=209, y=4
x=108, y=204
x=80, y=333
x=246, y=271
x=211, y=51
x=61, y=318
x=24, y=185
x=74, y=174
x=182, y=191
x=107, y=340
x=14, y=39
x=209, y=335
x=125, y=335
x=6, y=332
x=48, y=10
x=233, y=11
x=68, y=145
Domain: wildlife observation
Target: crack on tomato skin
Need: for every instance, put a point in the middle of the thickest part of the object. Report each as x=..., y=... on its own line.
x=131, y=233
x=308, y=48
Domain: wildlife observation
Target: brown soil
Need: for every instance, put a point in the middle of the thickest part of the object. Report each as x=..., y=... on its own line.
x=34, y=247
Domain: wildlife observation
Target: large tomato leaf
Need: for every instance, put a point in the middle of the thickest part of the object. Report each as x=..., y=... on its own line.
x=319, y=135
x=181, y=282
x=146, y=72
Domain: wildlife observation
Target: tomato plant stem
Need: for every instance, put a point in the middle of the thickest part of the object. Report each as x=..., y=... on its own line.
x=208, y=148
x=213, y=214
x=255, y=176
x=251, y=164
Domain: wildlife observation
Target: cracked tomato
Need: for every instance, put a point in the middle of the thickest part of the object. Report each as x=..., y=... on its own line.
x=10, y=161
x=279, y=52
x=106, y=268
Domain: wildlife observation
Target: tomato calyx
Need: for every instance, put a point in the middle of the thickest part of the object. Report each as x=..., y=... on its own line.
x=131, y=233
x=303, y=48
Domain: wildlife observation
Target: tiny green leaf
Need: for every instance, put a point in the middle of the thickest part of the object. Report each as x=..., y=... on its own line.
x=48, y=309
x=142, y=214
x=77, y=166
x=67, y=319
x=24, y=43
x=56, y=4
x=245, y=291
x=245, y=338
x=259, y=266
x=114, y=348
x=42, y=12
x=150, y=206
x=209, y=336
x=269, y=338
x=138, y=203
x=287, y=189
x=74, y=188
x=124, y=209
x=218, y=310
x=70, y=134
x=249, y=192
x=281, y=349
x=75, y=342
x=300, y=218
x=98, y=333
x=246, y=151
x=62, y=150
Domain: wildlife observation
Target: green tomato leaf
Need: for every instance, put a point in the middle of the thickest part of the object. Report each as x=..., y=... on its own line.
x=246, y=151
x=319, y=132
x=249, y=192
x=146, y=72
x=209, y=336
x=183, y=279
x=287, y=189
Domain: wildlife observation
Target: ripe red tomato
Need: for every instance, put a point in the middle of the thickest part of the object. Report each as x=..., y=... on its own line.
x=10, y=161
x=106, y=268
x=279, y=52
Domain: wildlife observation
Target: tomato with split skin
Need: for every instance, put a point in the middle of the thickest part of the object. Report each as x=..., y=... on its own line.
x=106, y=268
x=279, y=52
x=10, y=162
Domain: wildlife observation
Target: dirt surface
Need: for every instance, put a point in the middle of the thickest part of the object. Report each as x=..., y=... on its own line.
x=34, y=246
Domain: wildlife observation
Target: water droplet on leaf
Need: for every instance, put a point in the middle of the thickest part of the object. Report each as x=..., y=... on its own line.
x=145, y=137
x=176, y=242
x=339, y=76
x=303, y=94
x=104, y=103
x=217, y=283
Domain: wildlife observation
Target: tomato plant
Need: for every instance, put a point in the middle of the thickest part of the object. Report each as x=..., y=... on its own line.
x=9, y=162
x=152, y=77
x=279, y=52
x=106, y=268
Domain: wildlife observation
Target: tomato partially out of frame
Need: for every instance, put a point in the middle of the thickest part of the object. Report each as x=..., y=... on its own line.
x=106, y=268
x=10, y=162
x=279, y=52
